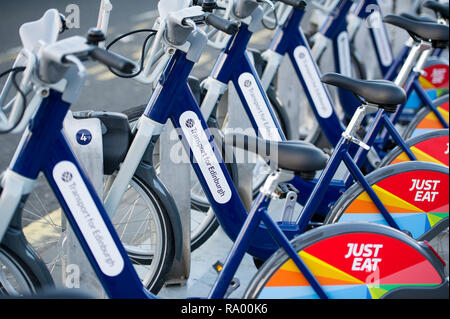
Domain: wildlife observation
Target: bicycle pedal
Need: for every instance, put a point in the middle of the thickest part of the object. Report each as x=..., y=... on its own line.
x=284, y=188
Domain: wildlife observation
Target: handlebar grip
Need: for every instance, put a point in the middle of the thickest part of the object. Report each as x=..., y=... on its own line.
x=221, y=24
x=301, y=4
x=113, y=60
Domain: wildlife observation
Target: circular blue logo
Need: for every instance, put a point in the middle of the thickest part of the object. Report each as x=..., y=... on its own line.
x=84, y=137
x=190, y=123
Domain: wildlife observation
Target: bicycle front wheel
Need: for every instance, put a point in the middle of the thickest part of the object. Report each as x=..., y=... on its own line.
x=140, y=221
x=15, y=278
x=414, y=193
x=352, y=261
x=425, y=120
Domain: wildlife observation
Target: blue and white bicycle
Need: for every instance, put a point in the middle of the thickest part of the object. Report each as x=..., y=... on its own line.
x=226, y=69
x=54, y=73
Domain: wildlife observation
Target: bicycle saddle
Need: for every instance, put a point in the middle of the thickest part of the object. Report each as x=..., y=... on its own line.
x=382, y=93
x=418, y=18
x=441, y=8
x=419, y=30
x=297, y=156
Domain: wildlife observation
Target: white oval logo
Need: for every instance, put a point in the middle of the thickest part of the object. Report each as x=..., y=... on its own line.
x=314, y=85
x=258, y=107
x=205, y=157
x=88, y=218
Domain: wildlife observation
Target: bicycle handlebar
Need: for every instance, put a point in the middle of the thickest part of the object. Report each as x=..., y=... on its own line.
x=227, y=26
x=112, y=60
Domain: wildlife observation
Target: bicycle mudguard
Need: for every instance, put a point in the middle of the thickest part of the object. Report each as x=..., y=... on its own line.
x=431, y=147
x=15, y=241
x=353, y=261
x=146, y=173
x=414, y=193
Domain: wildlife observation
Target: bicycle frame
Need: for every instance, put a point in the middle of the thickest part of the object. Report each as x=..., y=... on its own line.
x=212, y=174
x=44, y=148
x=233, y=64
x=341, y=34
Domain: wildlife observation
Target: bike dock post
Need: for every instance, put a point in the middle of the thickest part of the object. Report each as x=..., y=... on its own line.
x=76, y=269
x=175, y=173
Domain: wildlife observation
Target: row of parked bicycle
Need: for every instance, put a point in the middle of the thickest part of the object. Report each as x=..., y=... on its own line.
x=378, y=229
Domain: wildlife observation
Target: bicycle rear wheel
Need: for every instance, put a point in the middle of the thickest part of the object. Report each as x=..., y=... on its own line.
x=414, y=193
x=353, y=261
x=428, y=147
x=425, y=120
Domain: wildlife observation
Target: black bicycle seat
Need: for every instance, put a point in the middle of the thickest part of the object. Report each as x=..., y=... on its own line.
x=441, y=8
x=382, y=93
x=420, y=30
x=418, y=18
x=296, y=156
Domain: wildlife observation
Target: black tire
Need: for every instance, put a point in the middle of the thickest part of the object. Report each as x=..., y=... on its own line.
x=440, y=228
x=302, y=242
x=421, y=114
x=20, y=280
x=397, y=151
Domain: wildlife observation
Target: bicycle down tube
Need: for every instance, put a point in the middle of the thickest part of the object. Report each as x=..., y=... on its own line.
x=234, y=65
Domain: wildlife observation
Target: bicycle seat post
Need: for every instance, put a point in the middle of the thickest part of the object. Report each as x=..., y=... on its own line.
x=416, y=51
x=357, y=119
x=277, y=177
x=421, y=62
